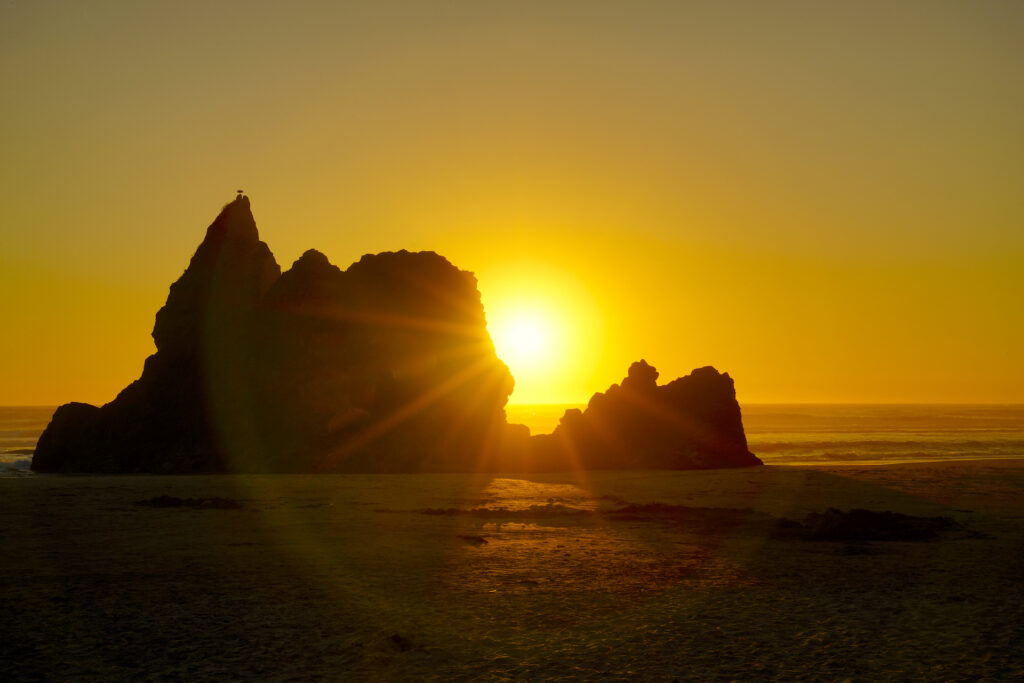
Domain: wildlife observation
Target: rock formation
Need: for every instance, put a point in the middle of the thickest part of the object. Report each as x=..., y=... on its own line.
x=384, y=367
x=693, y=422
x=193, y=394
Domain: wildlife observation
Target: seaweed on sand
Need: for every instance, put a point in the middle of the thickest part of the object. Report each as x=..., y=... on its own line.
x=866, y=525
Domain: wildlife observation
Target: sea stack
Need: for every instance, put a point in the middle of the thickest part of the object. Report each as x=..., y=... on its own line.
x=194, y=391
x=693, y=422
x=384, y=367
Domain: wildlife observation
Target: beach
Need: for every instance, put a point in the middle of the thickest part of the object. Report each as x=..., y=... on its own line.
x=493, y=577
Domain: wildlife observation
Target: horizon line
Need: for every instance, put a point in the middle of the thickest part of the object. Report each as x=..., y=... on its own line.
x=742, y=403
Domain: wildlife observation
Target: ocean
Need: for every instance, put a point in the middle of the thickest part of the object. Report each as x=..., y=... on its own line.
x=20, y=427
x=779, y=434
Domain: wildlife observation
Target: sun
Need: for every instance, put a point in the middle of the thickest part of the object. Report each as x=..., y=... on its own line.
x=546, y=326
x=523, y=339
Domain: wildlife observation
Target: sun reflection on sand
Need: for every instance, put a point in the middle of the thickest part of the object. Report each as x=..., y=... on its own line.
x=518, y=536
x=523, y=494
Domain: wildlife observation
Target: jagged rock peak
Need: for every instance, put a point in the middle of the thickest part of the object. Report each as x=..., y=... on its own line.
x=404, y=257
x=235, y=221
x=707, y=372
x=308, y=284
x=641, y=375
x=231, y=269
x=312, y=258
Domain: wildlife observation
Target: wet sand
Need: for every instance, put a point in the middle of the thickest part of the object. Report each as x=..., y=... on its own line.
x=314, y=577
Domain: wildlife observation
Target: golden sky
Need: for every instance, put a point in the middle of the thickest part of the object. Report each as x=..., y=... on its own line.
x=825, y=200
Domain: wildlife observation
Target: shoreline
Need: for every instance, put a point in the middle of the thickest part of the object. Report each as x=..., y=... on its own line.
x=817, y=464
x=908, y=461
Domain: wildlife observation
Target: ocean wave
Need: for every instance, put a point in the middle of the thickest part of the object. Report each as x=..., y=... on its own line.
x=15, y=468
x=904, y=446
x=861, y=457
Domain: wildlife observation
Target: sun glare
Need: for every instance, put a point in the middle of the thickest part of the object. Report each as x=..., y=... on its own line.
x=546, y=328
x=523, y=339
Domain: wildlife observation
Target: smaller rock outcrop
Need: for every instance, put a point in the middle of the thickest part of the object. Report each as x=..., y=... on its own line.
x=693, y=422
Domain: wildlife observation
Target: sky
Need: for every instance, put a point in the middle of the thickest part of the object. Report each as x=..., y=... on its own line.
x=825, y=200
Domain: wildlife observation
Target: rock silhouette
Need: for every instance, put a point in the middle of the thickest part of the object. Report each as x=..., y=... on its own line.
x=384, y=367
x=193, y=394
x=693, y=422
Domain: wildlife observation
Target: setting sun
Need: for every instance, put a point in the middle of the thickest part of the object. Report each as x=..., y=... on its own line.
x=546, y=327
x=523, y=339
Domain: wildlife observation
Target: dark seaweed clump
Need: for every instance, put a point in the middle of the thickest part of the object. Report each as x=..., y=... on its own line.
x=866, y=525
